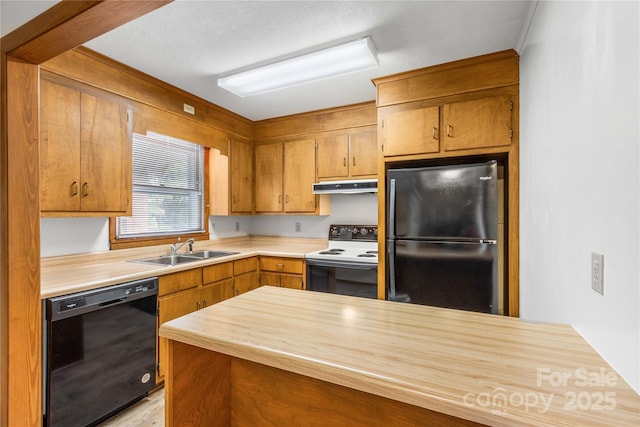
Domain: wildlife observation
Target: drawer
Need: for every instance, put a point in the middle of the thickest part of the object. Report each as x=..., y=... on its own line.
x=179, y=281
x=245, y=265
x=282, y=265
x=217, y=272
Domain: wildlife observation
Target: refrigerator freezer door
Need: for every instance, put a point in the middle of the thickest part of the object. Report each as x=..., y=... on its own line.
x=452, y=275
x=448, y=203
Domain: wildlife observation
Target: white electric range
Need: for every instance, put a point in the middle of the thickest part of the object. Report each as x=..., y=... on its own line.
x=349, y=265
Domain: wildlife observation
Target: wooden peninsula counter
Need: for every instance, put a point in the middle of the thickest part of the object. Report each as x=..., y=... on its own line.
x=282, y=357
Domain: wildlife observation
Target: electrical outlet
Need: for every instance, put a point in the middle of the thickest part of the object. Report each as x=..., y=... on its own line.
x=237, y=226
x=597, y=272
x=298, y=227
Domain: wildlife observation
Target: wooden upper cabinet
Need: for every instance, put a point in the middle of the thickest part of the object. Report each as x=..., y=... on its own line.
x=363, y=146
x=347, y=155
x=85, y=153
x=59, y=148
x=299, y=176
x=285, y=173
x=105, y=156
x=411, y=131
x=241, y=175
x=484, y=122
x=333, y=156
x=269, y=164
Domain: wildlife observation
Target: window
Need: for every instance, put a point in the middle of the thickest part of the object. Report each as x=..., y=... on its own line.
x=168, y=189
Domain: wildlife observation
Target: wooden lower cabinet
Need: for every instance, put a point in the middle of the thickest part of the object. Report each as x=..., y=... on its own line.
x=283, y=272
x=245, y=275
x=187, y=291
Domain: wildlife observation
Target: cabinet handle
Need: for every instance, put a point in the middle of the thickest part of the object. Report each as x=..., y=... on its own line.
x=435, y=132
x=286, y=198
x=279, y=266
x=279, y=198
x=234, y=199
x=74, y=188
x=354, y=160
x=204, y=303
x=85, y=189
x=344, y=161
x=450, y=131
x=197, y=305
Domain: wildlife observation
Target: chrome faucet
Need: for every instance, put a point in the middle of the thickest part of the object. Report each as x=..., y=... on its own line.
x=177, y=245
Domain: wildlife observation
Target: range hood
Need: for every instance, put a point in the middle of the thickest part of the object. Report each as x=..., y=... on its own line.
x=346, y=187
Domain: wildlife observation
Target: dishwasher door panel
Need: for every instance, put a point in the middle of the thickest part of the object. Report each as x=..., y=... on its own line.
x=99, y=362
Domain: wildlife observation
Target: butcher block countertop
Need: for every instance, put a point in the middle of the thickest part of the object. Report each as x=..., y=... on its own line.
x=73, y=273
x=482, y=368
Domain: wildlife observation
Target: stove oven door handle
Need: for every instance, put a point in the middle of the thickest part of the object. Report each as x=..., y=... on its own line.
x=342, y=264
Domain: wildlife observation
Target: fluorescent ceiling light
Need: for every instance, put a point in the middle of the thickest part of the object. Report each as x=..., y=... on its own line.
x=357, y=55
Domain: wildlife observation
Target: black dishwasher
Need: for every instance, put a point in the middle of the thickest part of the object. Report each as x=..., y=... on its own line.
x=100, y=352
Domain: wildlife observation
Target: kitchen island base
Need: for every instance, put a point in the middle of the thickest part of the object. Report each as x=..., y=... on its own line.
x=206, y=388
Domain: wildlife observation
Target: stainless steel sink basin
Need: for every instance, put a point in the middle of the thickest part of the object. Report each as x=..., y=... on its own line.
x=168, y=260
x=183, y=257
x=209, y=254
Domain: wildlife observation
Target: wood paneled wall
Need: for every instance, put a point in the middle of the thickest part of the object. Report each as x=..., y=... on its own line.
x=89, y=67
x=356, y=115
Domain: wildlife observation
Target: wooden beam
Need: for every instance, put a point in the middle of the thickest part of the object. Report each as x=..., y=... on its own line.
x=64, y=26
x=71, y=23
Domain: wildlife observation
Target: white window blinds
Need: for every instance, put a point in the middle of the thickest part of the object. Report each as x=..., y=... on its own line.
x=168, y=188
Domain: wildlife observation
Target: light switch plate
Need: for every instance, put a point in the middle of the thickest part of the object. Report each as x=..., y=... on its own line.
x=597, y=272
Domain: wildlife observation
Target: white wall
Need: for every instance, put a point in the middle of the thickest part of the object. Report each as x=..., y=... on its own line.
x=64, y=236
x=579, y=193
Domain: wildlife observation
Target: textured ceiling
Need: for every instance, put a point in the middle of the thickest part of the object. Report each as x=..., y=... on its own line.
x=190, y=43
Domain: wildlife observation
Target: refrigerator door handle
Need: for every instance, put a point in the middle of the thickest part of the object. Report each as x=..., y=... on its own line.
x=391, y=257
x=392, y=209
x=489, y=241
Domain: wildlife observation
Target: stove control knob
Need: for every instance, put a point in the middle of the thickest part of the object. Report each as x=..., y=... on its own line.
x=334, y=231
x=364, y=231
x=375, y=231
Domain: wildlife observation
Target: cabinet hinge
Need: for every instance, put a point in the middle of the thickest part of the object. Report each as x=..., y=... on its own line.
x=511, y=105
x=158, y=310
x=382, y=124
x=157, y=366
x=511, y=133
x=382, y=148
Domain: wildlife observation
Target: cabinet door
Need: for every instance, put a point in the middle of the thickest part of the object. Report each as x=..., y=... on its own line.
x=269, y=279
x=59, y=148
x=478, y=123
x=241, y=177
x=105, y=156
x=364, y=153
x=245, y=282
x=269, y=178
x=216, y=292
x=299, y=176
x=333, y=156
x=290, y=281
x=171, y=307
x=411, y=132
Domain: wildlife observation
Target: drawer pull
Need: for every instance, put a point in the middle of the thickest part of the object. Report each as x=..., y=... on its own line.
x=279, y=266
x=435, y=132
x=450, y=131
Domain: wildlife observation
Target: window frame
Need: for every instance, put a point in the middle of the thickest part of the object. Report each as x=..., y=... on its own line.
x=134, y=242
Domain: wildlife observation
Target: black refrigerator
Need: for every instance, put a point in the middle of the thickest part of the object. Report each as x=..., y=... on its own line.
x=442, y=231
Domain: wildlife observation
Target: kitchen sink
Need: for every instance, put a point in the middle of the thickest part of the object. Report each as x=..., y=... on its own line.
x=168, y=260
x=178, y=259
x=210, y=254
